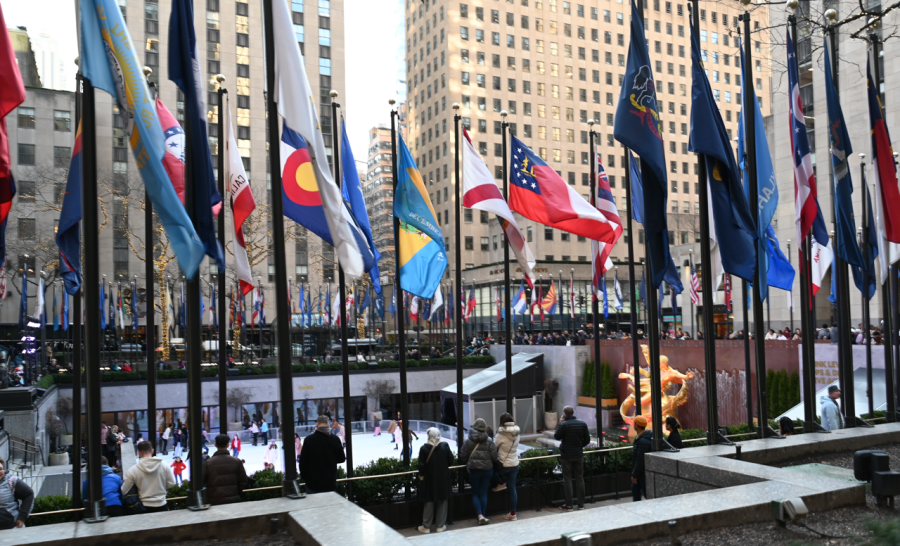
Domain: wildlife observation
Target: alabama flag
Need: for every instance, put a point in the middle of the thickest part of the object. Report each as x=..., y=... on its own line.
x=480, y=192
x=242, y=204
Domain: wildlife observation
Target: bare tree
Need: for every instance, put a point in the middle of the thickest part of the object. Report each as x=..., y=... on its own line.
x=379, y=389
x=236, y=398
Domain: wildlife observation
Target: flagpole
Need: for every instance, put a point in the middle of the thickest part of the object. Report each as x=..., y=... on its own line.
x=459, y=287
x=345, y=358
x=77, y=500
x=863, y=236
x=629, y=239
x=401, y=326
x=223, y=324
x=749, y=127
x=506, y=304
x=708, y=292
x=149, y=271
x=790, y=292
x=595, y=327
x=290, y=485
x=96, y=507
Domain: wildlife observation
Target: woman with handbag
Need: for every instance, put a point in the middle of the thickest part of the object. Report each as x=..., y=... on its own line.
x=479, y=455
x=507, y=442
x=435, y=459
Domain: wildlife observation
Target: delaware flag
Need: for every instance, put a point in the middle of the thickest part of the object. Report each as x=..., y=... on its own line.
x=68, y=233
x=420, y=241
x=549, y=301
x=109, y=60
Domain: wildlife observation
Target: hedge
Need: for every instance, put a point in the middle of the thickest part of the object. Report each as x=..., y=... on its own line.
x=588, y=381
x=268, y=369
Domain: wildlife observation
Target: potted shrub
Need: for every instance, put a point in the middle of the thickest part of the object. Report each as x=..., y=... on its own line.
x=55, y=429
x=64, y=412
x=609, y=398
x=588, y=386
x=551, y=418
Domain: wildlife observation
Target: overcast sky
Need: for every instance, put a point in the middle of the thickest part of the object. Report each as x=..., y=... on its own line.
x=373, y=54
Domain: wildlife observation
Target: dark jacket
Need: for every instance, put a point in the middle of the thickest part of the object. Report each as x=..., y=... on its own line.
x=24, y=496
x=483, y=457
x=643, y=444
x=675, y=439
x=321, y=454
x=573, y=435
x=436, y=486
x=224, y=477
x=111, y=487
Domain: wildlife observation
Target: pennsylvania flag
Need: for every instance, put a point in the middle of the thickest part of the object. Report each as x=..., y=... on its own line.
x=733, y=223
x=68, y=234
x=638, y=127
x=110, y=61
x=420, y=242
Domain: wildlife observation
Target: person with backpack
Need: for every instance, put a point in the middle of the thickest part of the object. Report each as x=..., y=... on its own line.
x=16, y=500
x=435, y=459
x=150, y=478
x=507, y=442
x=479, y=455
x=111, y=486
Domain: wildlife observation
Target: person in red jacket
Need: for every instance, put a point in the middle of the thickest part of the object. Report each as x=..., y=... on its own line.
x=235, y=446
x=177, y=468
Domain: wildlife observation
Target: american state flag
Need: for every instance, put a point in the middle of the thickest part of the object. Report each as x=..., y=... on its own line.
x=606, y=204
x=695, y=284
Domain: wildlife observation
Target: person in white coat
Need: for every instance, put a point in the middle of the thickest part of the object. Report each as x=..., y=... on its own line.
x=507, y=441
x=273, y=458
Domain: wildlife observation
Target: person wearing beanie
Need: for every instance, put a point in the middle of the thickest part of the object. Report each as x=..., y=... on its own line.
x=479, y=455
x=672, y=427
x=831, y=413
x=643, y=444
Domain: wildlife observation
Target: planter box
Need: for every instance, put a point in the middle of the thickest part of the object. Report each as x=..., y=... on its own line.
x=59, y=459
x=590, y=401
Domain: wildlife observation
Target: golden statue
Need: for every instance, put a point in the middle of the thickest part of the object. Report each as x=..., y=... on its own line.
x=668, y=377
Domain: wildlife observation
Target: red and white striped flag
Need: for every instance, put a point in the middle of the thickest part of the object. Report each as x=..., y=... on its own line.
x=242, y=204
x=695, y=284
x=606, y=204
x=480, y=192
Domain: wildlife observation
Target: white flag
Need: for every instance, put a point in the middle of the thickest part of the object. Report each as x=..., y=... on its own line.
x=436, y=303
x=39, y=312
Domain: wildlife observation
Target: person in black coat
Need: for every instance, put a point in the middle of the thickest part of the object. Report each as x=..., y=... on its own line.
x=321, y=453
x=573, y=435
x=643, y=444
x=435, y=459
x=674, y=436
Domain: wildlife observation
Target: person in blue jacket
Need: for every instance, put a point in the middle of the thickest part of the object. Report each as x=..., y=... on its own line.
x=112, y=489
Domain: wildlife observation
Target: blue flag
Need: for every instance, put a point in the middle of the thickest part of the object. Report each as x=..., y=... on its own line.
x=309, y=307
x=379, y=304
x=733, y=222
x=65, y=311
x=212, y=306
x=55, y=315
x=134, y=310
x=328, y=303
x=674, y=295
x=184, y=70
x=637, y=191
x=68, y=233
x=845, y=231
x=302, y=308
x=107, y=49
x=871, y=239
x=356, y=202
x=393, y=308
x=832, y=296
x=638, y=127
x=605, y=297
x=111, y=322
x=672, y=277
x=366, y=302
x=23, y=304
x=767, y=186
x=102, y=304
x=781, y=272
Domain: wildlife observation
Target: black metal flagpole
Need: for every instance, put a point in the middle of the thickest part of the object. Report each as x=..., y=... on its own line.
x=77, y=442
x=223, y=324
x=867, y=335
x=345, y=358
x=459, y=286
x=401, y=320
x=508, y=322
x=759, y=326
x=150, y=272
x=595, y=327
x=290, y=485
x=93, y=336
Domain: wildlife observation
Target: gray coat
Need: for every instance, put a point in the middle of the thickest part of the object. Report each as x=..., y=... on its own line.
x=831, y=414
x=481, y=458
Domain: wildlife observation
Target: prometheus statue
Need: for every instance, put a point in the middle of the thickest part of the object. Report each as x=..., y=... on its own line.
x=668, y=377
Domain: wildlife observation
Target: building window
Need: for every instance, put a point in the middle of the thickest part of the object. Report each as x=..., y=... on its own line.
x=485, y=244
x=27, y=227
x=61, y=156
x=26, y=118
x=25, y=191
x=470, y=243
x=548, y=234
x=62, y=120
x=26, y=154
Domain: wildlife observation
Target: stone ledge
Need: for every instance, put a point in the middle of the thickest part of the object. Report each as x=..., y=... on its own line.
x=345, y=523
